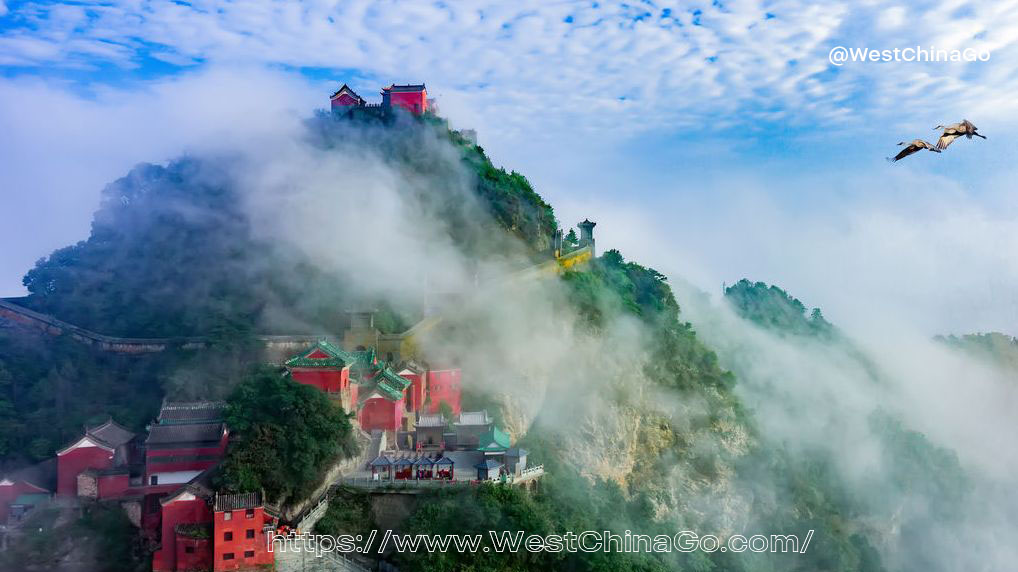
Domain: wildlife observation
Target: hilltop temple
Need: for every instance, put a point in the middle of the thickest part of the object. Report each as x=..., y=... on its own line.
x=411, y=97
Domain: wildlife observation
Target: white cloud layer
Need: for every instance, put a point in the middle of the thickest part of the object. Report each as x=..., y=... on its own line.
x=609, y=65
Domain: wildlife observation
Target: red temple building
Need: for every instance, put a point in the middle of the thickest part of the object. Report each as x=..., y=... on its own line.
x=411, y=97
x=186, y=529
x=177, y=453
x=444, y=387
x=346, y=98
x=329, y=368
x=418, y=378
x=384, y=408
x=381, y=398
x=106, y=448
x=240, y=528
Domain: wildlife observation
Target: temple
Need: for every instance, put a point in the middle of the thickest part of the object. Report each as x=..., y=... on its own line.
x=410, y=97
x=383, y=397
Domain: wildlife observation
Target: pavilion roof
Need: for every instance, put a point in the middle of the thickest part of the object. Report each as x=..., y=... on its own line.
x=444, y=461
x=380, y=461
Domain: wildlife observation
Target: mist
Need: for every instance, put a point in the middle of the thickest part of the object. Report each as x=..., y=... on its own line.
x=810, y=395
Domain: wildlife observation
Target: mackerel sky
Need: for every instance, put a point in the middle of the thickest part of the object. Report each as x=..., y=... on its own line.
x=711, y=140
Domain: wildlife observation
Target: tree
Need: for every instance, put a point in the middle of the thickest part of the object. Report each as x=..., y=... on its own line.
x=286, y=435
x=570, y=241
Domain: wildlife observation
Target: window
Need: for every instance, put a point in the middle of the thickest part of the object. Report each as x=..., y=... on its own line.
x=189, y=549
x=250, y=533
x=153, y=480
x=249, y=554
x=228, y=556
x=227, y=536
x=250, y=513
x=228, y=515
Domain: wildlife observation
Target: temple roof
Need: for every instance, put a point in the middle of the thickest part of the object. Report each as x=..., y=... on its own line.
x=410, y=87
x=494, y=440
x=200, y=486
x=237, y=501
x=111, y=433
x=337, y=357
x=177, y=412
x=345, y=88
x=380, y=461
x=391, y=384
x=431, y=420
x=183, y=434
x=474, y=418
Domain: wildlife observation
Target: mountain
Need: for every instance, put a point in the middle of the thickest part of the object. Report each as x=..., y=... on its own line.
x=642, y=421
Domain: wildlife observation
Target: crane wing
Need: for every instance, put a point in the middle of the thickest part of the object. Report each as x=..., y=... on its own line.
x=905, y=152
x=947, y=138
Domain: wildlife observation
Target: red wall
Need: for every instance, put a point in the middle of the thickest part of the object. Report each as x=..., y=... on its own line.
x=416, y=102
x=415, y=397
x=343, y=101
x=330, y=380
x=239, y=524
x=111, y=486
x=152, y=466
x=444, y=385
x=200, y=558
x=70, y=464
x=174, y=513
x=380, y=413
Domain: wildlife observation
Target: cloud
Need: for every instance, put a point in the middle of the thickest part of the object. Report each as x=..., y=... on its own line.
x=62, y=147
x=598, y=65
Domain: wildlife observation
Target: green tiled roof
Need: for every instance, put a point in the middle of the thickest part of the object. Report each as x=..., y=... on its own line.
x=338, y=358
x=494, y=440
x=391, y=384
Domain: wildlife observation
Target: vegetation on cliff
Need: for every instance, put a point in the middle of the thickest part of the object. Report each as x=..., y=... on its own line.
x=285, y=435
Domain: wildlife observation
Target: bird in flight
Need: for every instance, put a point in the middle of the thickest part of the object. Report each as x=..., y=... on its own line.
x=914, y=147
x=951, y=132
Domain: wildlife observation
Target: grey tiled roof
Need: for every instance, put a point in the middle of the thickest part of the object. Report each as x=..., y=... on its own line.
x=174, y=412
x=474, y=418
x=431, y=420
x=110, y=433
x=237, y=501
x=193, y=433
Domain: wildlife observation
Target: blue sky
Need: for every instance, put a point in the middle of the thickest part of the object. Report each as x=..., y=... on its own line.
x=712, y=140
